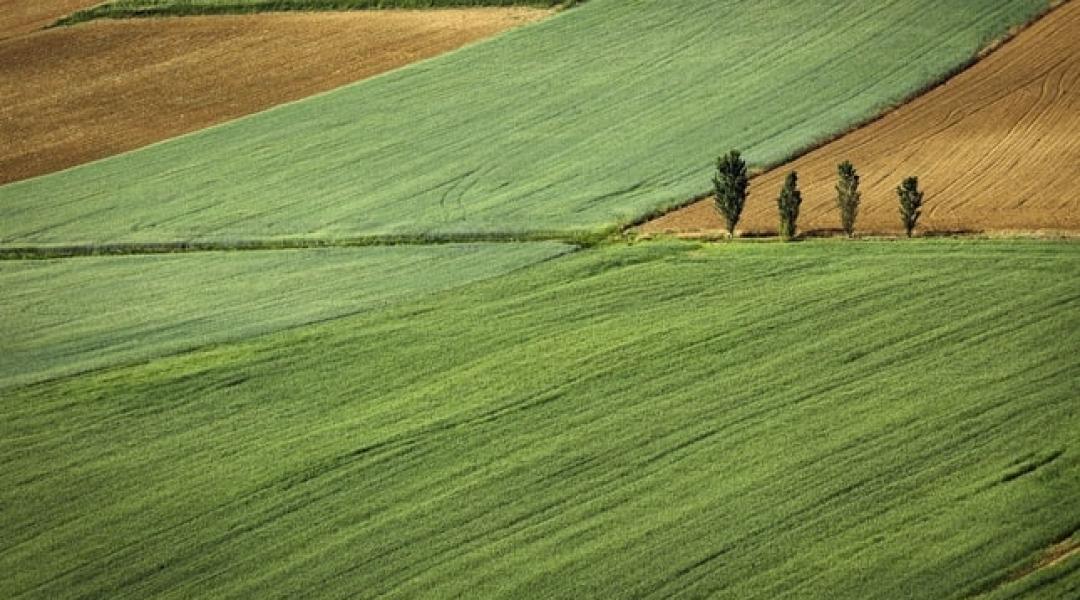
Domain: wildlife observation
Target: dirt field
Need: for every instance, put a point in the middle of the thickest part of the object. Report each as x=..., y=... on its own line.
x=72, y=95
x=23, y=16
x=996, y=149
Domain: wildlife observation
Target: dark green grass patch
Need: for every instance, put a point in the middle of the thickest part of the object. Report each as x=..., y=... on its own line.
x=841, y=420
x=590, y=119
x=67, y=316
x=122, y=9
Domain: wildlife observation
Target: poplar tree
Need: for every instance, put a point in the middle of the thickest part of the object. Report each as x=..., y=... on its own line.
x=911, y=201
x=731, y=182
x=788, y=205
x=848, y=196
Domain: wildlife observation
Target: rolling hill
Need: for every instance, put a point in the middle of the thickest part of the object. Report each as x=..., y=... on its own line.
x=78, y=94
x=996, y=149
x=848, y=420
x=618, y=419
x=85, y=314
x=595, y=117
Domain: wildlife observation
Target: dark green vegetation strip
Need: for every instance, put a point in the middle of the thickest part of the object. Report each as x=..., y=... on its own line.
x=49, y=251
x=589, y=119
x=663, y=420
x=122, y=9
x=70, y=316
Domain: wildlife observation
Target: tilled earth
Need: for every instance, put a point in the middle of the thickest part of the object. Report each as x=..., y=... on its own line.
x=18, y=17
x=73, y=95
x=997, y=148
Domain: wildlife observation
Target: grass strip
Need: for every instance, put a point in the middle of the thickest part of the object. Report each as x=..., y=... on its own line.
x=582, y=239
x=126, y=9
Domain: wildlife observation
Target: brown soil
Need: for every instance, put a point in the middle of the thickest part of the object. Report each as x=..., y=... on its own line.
x=72, y=95
x=23, y=16
x=996, y=148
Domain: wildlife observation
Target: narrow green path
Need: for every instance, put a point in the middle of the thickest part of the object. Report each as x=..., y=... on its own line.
x=123, y=9
x=823, y=419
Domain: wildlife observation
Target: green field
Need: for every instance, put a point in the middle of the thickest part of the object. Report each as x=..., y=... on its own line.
x=122, y=9
x=595, y=117
x=822, y=419
x=80, y=314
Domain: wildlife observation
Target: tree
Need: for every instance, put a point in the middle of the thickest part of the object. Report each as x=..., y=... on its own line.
x=788, y=205
x=848, y=196
x=731, y=183
x=911, y=201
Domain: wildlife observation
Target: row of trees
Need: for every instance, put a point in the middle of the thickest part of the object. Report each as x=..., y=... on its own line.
x=732, y=182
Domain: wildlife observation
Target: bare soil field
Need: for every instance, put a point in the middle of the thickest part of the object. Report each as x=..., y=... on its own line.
x=997, y=148
x=72, y=95
x=23, y=16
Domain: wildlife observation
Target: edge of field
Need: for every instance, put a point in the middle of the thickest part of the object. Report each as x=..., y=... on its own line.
x=241, y=65
x=108, y=10
x=466, y=237
x=989, y=48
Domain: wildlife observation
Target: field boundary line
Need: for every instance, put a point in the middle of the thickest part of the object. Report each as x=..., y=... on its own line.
x=581, y=240
x=49, y=251
x=111, y=11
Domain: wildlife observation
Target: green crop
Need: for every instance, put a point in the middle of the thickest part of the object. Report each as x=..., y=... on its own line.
x=822, y=419
x=122, y=9
x=594, y=118
x=67, y=316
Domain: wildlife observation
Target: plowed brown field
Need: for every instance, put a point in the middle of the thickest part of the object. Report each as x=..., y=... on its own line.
x=996, y=148
x=23, y=16
x=72, y=95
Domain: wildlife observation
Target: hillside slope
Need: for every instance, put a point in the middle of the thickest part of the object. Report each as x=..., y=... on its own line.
x=77, y=94
x=838, y=420
x=597, y=116
x=62, y=317
x=996, y=148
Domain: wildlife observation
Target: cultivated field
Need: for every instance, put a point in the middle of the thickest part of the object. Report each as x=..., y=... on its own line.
x=84, y=314
x=842, y=420
x=73, y=95
x=613, y=419
x=527, y=132
x=23, y=16
x=996, y=148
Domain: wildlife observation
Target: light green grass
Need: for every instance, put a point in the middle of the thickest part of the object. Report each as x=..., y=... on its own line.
x=122, y=9
x=68, y=316
x=595, y=117
x=840, y=420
